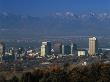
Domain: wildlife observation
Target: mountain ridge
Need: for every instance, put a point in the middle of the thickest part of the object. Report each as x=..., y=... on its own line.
x=67, y=23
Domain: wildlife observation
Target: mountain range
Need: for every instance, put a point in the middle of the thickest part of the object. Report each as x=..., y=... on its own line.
x=57, y=24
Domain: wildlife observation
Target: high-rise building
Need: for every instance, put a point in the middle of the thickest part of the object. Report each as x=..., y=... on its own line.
x=2, y=50
x=43, y=51
x=46, y=48
x=73, y=49
x=68, y=49
x=92, y=46
x=62, y=49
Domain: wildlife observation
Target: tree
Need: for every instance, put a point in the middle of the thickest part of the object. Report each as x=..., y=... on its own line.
x=14, y=79
x=2, y=79
x=27, y=77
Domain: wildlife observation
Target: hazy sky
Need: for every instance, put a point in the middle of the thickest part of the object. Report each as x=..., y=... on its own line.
x=45, y=7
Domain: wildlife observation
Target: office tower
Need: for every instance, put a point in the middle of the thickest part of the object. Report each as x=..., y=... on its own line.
x=73, y=48
x=46, y=48
x=92, y=46
x=2, y=50
x=68, y=49
x=65, y=49
x=43, y=51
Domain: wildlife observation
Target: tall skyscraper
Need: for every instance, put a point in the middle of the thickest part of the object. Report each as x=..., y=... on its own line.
x=68, y=49
x=73, y=48
x=63, y=49
x=2, y=50
x=46, y=48
x=43, y=52
x=92, y=46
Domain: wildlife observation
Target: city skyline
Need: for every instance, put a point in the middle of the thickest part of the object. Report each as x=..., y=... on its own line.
x=54, y=40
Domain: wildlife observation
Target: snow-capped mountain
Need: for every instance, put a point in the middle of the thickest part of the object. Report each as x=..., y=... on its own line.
x=66, y=23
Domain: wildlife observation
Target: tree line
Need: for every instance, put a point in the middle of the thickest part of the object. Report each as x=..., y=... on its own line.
x=95, y=72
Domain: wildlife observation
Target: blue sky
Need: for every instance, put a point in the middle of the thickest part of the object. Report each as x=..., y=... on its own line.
x=45, y=7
